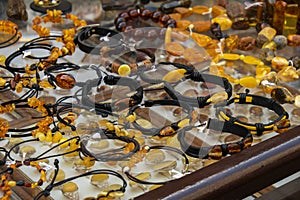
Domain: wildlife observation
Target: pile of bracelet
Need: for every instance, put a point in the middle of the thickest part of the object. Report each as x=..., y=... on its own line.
x=163, y=91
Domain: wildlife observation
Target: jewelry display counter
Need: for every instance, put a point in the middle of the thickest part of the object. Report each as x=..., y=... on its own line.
x=170, y=168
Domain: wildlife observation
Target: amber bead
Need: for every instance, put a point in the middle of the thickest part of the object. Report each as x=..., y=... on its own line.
x=266, y=55
x=164, y=19
x=265, y=35
x=278, y=17
x=247, y=142
x=215, y=153
x=167, y=131
x=174, y=48
x=234, y=148
x=279, y=63
x=282, y=126
x=184, y=12
x=65, y=81
x=293, y=40
x=224, y=22
x=246, y=43
x=282, y=95
x=288, y=74
x=218, y=10
x=156, y=16
x=133, y=13
x=4, y=126
x=145, y=14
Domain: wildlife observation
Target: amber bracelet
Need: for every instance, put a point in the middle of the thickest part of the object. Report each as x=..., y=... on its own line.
x=122, y=22
x=11, y=28
x=167, y=130
x=113, y=155
x=216, y=151
x=109, y=194
x=139, y=156
x=258, y=129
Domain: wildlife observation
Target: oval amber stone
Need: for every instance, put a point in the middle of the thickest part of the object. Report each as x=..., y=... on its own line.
x=65, y=81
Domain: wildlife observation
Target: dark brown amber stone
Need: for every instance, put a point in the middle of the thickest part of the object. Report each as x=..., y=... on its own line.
x=145, y=14
x=119, y=20
x=156, y=16
x=65, y=81
x=246, y=43
x=40, y=182
x=167, y=131
x=121, y=26
x=133, y=13
x=125, y=15
x=164, y=19
x=234, y=148
x=27, y=184
x=215, y=152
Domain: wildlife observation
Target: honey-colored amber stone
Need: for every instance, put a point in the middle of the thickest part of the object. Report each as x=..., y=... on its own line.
x=230, y=56
x=174, y=75
x=2, y=59
x=215, y=152
x=297, y=101
x=182, y=24
x=282, y=125
x=224, y=22
x=199, y=9
x=69, y=187
x=201, y=40
x=261, y=71
x=166, y=131
x=282, y=95
x=202, y=26
x=184, y=12
x=218, y=10
x=175, y=16
x=174, y=48
x=218, y=97
x=293, y=40
x=246, y=43
x=2, y=82
x=231, y=42
x=268, y=33
x=124, y=70
x=97, y=179
x=4, y=126
x=270, y=45
x=247, y=142
x=269, y=82
x=65, y=81
x=193, y=55
x=251, y=60
x=248, y=81
x=234, y=148
x=288, y=74
x=279, y=63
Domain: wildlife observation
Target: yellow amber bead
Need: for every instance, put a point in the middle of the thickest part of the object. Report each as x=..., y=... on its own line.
x=12, y=183
x=56, y=137
x=124, y=70
x=34, y=185
x=279, y=63
x=199, y=9
x=174, y=75
x=19, y=87
x=2, y=82
x=230, y=56
x=268, y=32
x=251, y=60
x=183, y=123
x=261, y=71
x=231, y=42
x=2, y=59
x=224, y=22
x=248, y=82
x=110, y=126
x=288, y=74
x=269, y=82
x=41, y=136
x=64, y=145
x=270, y=45
x=218, y=97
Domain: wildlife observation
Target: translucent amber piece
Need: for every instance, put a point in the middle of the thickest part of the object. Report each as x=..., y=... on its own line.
x=270, y=45
x=2, y=59
x=175, y=16
x=279, y=63
x=183, y=123
x=174, y=76
x=174, y=48
x=193, y=55
x=231, y=56
x=183, y=24
x=282, y=126
x=215, y=153
x=69, y=187
x=2, y=82
x=251, y=60
x=262, y=70
x=248, y=82
x=218, y=97
x=288, y=74
x=4, y=126
x=201, y=40
x=218, y=10
x=231, y=42
x=269, y=82
x=201, y=26
x=282, y=95
x=200, y=9
x=268, y=33
x=65, y=81
x=224, y=22
x=293, y=40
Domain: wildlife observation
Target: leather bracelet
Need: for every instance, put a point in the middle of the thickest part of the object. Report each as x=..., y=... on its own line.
x=216, y=151
x=258, y=129
x=107, y=36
